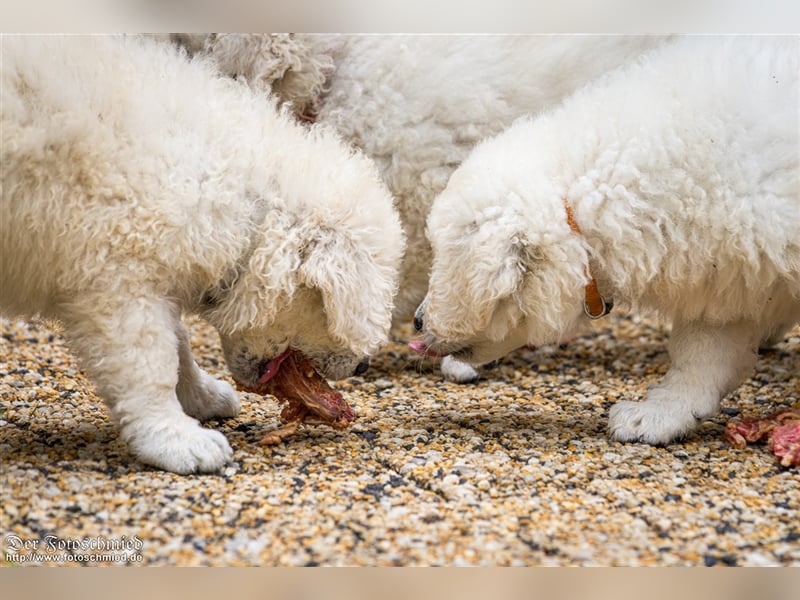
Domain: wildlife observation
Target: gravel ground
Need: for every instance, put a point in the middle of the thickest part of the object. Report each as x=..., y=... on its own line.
x=515, y=469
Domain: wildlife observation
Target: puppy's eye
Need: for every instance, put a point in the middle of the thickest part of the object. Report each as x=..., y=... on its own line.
x=214, y=295
x=210, y=299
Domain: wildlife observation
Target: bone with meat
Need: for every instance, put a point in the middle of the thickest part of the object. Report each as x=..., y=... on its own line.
x=307, y=396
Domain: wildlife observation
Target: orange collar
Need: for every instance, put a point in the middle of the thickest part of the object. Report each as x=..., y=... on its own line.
x=594, y=305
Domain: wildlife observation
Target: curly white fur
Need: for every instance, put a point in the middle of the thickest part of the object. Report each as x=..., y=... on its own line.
x=418, y=104
x=137, y=184
x=284, y=63
x=683, y=173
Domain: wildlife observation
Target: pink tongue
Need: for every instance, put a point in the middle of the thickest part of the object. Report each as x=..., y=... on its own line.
x=273, y=366
x=419, y=347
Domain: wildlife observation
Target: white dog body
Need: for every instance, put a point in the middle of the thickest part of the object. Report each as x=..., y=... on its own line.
x=418, y=104
x=681, y=171
x=137, y=184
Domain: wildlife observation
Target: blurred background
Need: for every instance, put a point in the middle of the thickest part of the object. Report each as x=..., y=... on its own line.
x=409, y=16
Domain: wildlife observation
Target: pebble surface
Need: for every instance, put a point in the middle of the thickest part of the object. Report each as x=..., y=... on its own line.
x=515, y=469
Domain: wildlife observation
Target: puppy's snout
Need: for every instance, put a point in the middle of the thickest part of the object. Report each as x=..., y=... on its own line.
x=362, y=367
x=418, y=321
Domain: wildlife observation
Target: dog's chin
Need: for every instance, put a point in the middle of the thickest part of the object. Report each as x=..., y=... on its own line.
x=473, y=356
x=436, y=349
x=485, y=352
x=336, y=365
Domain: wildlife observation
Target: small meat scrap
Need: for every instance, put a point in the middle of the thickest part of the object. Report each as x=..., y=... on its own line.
x=307, y=396
x=785, y=443
x=780, y=430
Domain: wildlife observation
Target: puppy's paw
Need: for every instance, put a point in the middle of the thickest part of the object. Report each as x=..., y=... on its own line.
x=774, y=336
x=457, y=371
x=207, y=397
x=654, y=421
x=178, y=444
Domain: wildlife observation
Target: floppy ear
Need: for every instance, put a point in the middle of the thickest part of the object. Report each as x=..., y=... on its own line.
x=474, y=269
x=264, y=279
x=357, y=292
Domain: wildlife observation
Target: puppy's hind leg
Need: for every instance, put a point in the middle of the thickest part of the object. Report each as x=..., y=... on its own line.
x=707, y=362
x=201, y=395
x=130, y=350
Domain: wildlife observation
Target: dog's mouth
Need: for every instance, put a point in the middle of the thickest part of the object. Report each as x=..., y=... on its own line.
x=271, y=367
x=420, y=347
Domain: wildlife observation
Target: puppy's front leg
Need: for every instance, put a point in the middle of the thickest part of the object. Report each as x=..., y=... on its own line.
x=131, y=352
x=707, y=363
x=201, y=395
x=457, y=371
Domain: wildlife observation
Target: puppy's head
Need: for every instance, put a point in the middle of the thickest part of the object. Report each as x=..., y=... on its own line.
x=294, y=67
x=319, y=277
x=507, y=270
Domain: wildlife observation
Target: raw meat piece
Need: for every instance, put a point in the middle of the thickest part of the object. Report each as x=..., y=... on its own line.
x=308, y=397
x=781, y=431
x=785, y=443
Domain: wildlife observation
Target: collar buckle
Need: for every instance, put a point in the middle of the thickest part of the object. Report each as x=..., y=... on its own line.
x=594, y=305
x=593, y=313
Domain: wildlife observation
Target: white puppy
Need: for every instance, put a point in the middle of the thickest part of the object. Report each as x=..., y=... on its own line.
x=137, y=184
x=418, y=104
x=671, y=184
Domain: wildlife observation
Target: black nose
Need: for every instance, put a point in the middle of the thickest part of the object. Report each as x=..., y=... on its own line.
x=362, y=367
x=417, y=322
